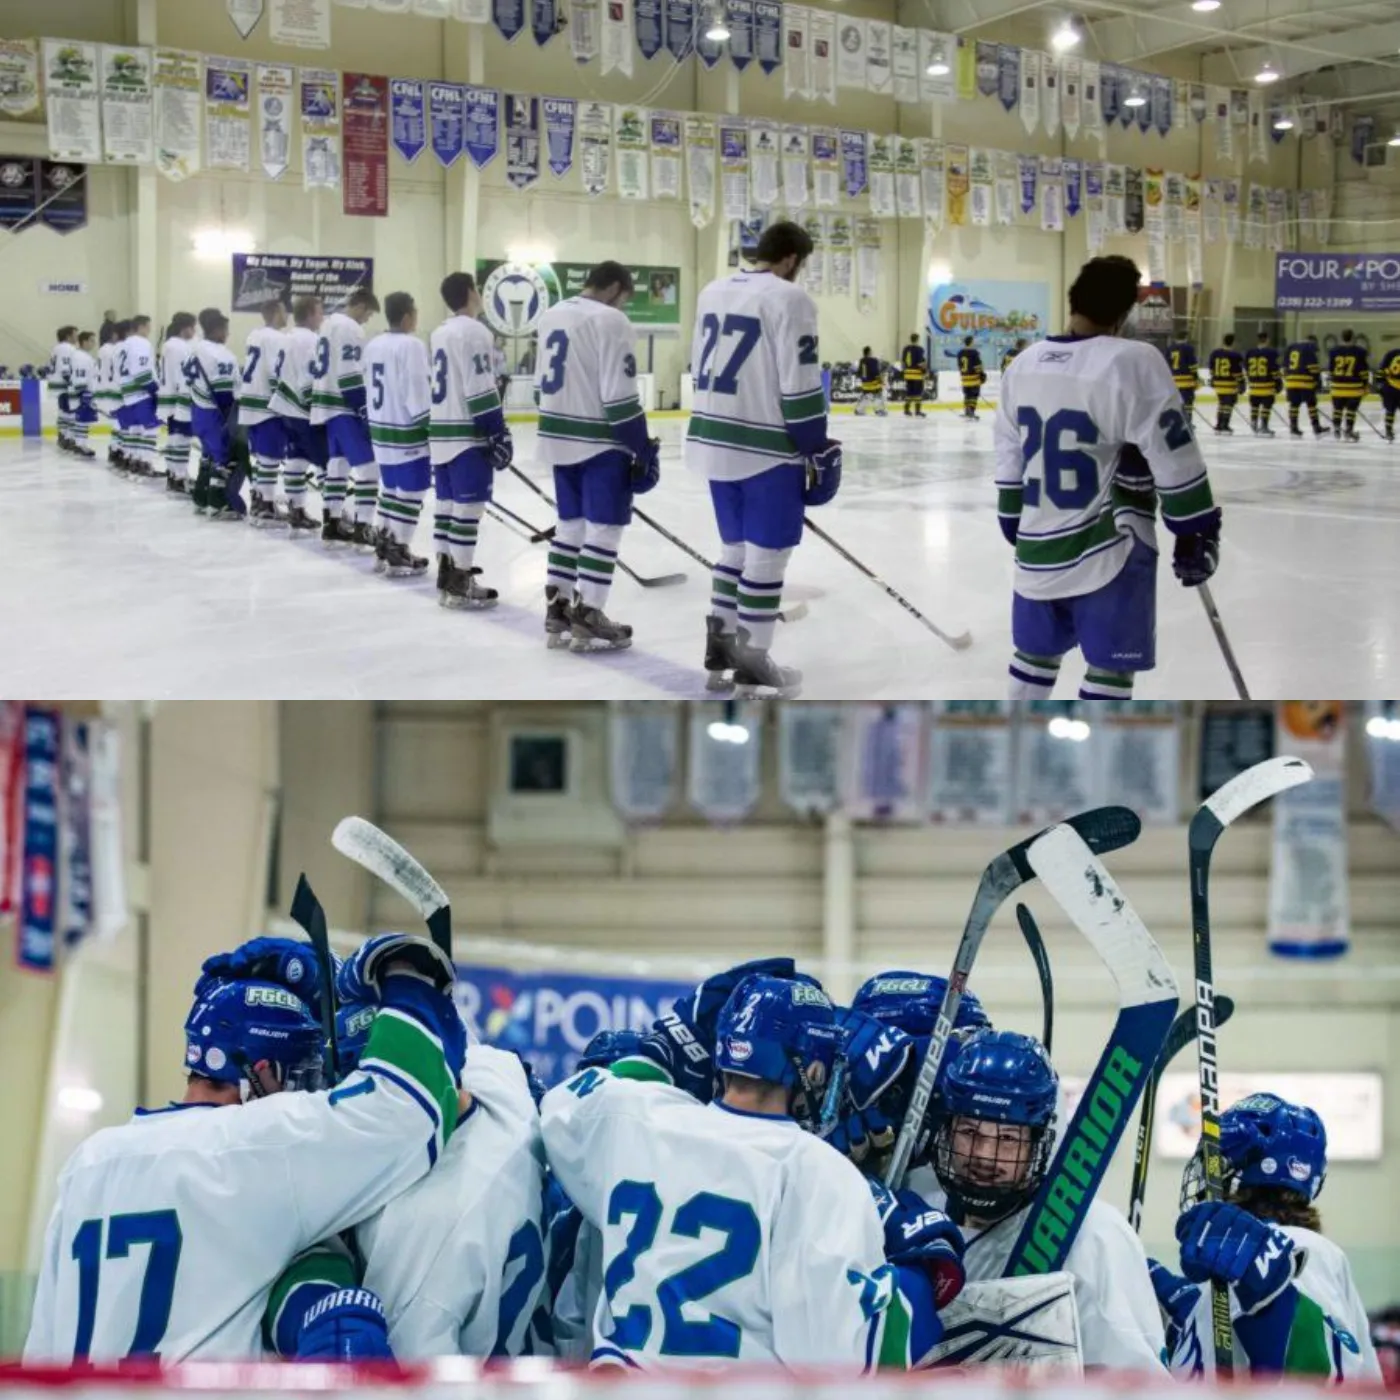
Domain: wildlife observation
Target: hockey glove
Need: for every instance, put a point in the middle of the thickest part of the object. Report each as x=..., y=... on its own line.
x=1176, y=1296
x=501, y=451
x=288, y=962
x=348, y=1325
x=876, y=1056
x=1010, y=528
x=917, y=1236
x=1195, y=556
x=646, y=469
x=1221, y=1241
x=361, y=976
x=823, y=475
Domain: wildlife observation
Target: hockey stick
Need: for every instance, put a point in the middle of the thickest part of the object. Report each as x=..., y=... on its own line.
x=1218, y=627
x=508, y=519
x=1182, y=1033
x=307, y=911
x=1219, y=810
x=1103, y=829
x=1202, y=417
x=961, y=642
x=1370, y=424
x=381, y=855
x=661, y=581
x=1036, y=944
x=1147, y=999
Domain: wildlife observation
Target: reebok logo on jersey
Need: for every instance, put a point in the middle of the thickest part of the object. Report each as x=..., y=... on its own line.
x=1054, y=357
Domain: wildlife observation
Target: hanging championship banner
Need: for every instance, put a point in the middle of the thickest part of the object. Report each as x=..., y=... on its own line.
x=583, y=30
x=904, y=62
x=649, y=23
x=1009, y=75
x=1277, y=203
x=481, y=125
x=821, y=28
x=1232, y=210
x=63, y=191
x=740, y=32
x=867, y=235
x=969, y=763
x=853, y=163
x=1181, y=104
x=1142, y=85
x=879, y=60
x=1362, y=129
x=1114, y=185
x=1382, y=760
x=447, y=121
x=19, y=79
x=1153, y=223
x=409, y=125
x=907, y=203
x=320, y=128
x=643, y=759
x=826, y=167
x=1074, y=174
x=1322, y=212
x=885, y=758
x=71, y=88
x=19, y=203
x=595, y=143
x=1195, y=250
x=796, y=151
x=768, y=34
x=1111, y=93
x=1028, y=172
x=1071, y=90
x=1308, y=907
x=734, y=167
x=708, y=49
x=523, y=140
x=680, y=28
x=125, y=75
x=559, y=119
x=980, y=174
x=839, y=242
x=228, y=113
x=544, y=21
x=1005, y=188
x=179, y=88
x=1174, y=200
x=850, y=52
x=957, y=184
x=1224, y=127
x=665, y=155
x=1258, y=129
x=1054, y=776
x=988, y=70
x=724, y=777
x=244, y=16
x=1140, y=757
x=366, y=104
x=301, y=24
x=763, y=151
x=938, y=48
x=1239, y=107
x=38, y=840
x=275, y=87
x=509, y=18
x=797, y=69
x=1095, y=216
x=879, y=155
x=932, y=177
x=1030, y=89
x=1050, y=82
x=1052, y=194
x=1254, y=218
x=966, y=65
x=811, y=757
x=700, y=168
x=631, y=140
x=1278, y=111
x=1307, y=229
x=1210, y=209
x=433, y=9
x=1091, y=97
x=1197, y=102
x=1132, y=200
x=75, y=911
x=1162, y=103
x=812, y=278
x=617, y=37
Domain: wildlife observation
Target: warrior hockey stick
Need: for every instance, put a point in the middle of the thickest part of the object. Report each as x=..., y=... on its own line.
x=1036, y=944
x=381, y=855
x=1238, y=796
x=1182, y=1033
x=1103, y=829
x=1226, y=650
x=959, y=643
x=1147, y=997
x=307, y=911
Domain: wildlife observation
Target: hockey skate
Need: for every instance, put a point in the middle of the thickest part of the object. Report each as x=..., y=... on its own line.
x=719, y=655
x=594, y=630
x=83, y=451
x=556, y=618
x=758, y=676
x=363, y=538
x=396, y=561
x=461, y=589
x=1352, y=435
x=298, y=519
x=174, y=485
x=335, y=532
x=263, y=515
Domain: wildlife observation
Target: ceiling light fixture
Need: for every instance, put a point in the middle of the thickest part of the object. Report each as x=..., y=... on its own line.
x=1204, y=7
x=1394, y=140
x=1268, y=73
x=1283, y=122
x=938, y=62
x=1136, y=97
x=1065, y=37
x=718, y=31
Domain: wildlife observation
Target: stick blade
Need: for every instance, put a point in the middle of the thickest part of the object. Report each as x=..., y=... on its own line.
x=364, y=843
x=1256, y=785
x=661, y=580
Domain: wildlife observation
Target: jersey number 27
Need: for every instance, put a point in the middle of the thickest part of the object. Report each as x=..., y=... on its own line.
x=160, y=1229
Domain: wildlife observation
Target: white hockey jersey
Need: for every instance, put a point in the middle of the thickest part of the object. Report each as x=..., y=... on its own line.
x=291, y=396
x=587, y=380
x=758, y=376
x=262, y=364
x=1120, y=1322
x=174, y=399
x=396, y=384
x=729, y=1237
x=1068, y=408
x=61, y=361
x=136, y=366
x=463, y=388
x=337, y=377
x=170, y=1231
x=83, y=373
x=1331, y=1336
x=576, y=1304
x=212, y=374
x=458, y=1258
x=107, y=393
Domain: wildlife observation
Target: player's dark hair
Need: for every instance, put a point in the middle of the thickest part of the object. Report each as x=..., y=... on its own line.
x=64, y=332
x=967, y=340
x=362, y=296
x=398, y=307
x=1229, y=339
x=180, y=322
x=783, y=240
x=1313, y=338
x=303, y=308
x=1346, y=336
x=865, y=350
x=914, y=339
x=85, y=338
x=456, y=288
x=123, y=329
x=108, y=333
x=1279, y=1205
x=607, y=275
x=138, y=321
x=1105, y=290
x=1263, y=337
x=269, y=309
x=211, y=319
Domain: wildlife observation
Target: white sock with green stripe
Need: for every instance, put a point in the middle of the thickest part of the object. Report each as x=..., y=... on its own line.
x=562, y=569
x=265, y=477
x=462, y=531
x=597, y=561
x=761, y=592
x=364, y=492
x=294, y=471
x=335, y=487
x=399, y=511
x=1032, y=677
x=177, y=454
x=1099, y=684
x=724, y=586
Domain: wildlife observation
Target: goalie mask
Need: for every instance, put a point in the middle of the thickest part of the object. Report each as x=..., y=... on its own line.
x=236, y=1025
x=992, y=1146
x=1264, y=1141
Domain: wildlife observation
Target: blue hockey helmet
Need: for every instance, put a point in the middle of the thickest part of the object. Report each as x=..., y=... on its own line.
x=1265, y=1141
x=353, y=1020
x=235, y=1025
x=910, y=1001
x=1005, y=1080
x=607, y=1047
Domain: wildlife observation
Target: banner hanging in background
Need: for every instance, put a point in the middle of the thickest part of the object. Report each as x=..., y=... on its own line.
x=724, y=763
x=1308, y=907
x=71, y=90
x=320, y=129
x=228, y=114
x=1231, y=741
x=522, y=140
x=885, y=763
x=969, y=763
x=643, y=759
x=1056, y=765
x=127, y=136
x=261, y=277
x=1337, y=282
x=994, y=314
x=1140, y=764
x=300, y=23
x=19, y=191
x=19, y=78
x=275, y=84
x=38, y=834
x=409, y=122
x=549, y=1017
x=11, y=808
x=179, y=95
x=366, y=189
x=74, y=834
x=810, y=757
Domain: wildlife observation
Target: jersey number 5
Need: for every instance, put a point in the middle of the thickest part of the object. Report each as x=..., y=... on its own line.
x=376, y=376
x=158, y=1228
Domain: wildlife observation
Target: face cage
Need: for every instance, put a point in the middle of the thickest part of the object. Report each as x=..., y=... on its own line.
x=305, y=1076
x=1193, y=1181
x=988, y=1200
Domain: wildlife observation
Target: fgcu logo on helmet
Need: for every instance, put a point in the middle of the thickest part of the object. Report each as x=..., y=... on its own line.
x=899, y=986
x=804, y=994
x=272, y=996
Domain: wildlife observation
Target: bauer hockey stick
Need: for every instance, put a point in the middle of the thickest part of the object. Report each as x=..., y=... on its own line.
x=1031, y=933
x=1226, y=650
x=308, y=912
x=1147, y=998
x=1103, y=829
x=1182, y=1033
x=381, y=855
x=1219, y=810
x=960, y=642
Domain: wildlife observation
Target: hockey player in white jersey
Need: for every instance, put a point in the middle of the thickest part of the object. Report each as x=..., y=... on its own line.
x=593, y=433
x=136, y=367
x=81, y=382
x=212, y=374
x=60, y=383
x=338, y=403
x=263, y=354
x=396, y=383
x=759, y=434
x=173, y=402
x=105, y=394
x=1090, y=436
x=291, y=401
x=1294, y=1302
x=170, y=1232
x=469, y=442
x=730, y=1234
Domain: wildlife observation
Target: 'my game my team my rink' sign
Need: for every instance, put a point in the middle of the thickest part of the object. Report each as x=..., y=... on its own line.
x=1337, y=282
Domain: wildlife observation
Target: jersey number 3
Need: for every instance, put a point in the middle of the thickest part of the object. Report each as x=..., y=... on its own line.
x=160, y=1229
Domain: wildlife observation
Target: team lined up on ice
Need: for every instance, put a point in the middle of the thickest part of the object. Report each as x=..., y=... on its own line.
x=703, y=1193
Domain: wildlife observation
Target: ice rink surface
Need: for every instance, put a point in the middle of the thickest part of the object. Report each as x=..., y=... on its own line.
x=111, y=588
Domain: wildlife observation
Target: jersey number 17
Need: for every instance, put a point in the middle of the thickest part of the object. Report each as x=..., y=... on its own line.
x=160, y=1229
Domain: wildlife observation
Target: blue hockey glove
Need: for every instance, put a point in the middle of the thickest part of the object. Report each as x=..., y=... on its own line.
x=917, y=1236
x=1196, y=556
x=646, y=469
x=1221, y=1241
x=823, y=475
x=876, y=1056
x=347, y=1325
x=360, y=976
x=1176, y=1296
x=289, y=962
x=501, y=451
x=1010, y=528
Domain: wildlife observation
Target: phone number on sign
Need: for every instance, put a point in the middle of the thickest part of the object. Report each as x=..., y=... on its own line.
x=1316, y=303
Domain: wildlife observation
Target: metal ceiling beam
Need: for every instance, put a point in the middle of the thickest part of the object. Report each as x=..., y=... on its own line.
x=1374, y=45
